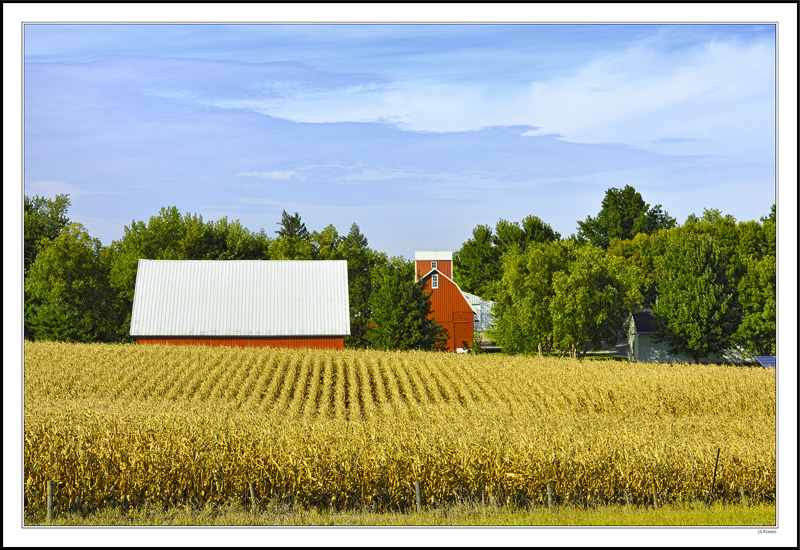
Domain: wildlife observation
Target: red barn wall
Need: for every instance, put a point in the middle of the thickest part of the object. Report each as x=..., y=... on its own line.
x=452, y=311
x=442, y=266
x=312, y=342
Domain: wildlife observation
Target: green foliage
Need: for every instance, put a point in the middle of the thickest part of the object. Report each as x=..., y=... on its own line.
x=592, y=300
x=326, y=244
x=172, y=236
x=361, y=261
x=697, y=312
x=563, y=295
x=291, y=248
x=522, y=317
x=757, y=292
x=640, y=252
x=43, y=219
x=294, y=240
x=292, y=227
x=477, y=265
x=623, y=214
x=401, y=310
x=68, y=296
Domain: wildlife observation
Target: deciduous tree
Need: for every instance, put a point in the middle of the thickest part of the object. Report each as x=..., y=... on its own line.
x=623, y=214
x=697, y=311
x=43, y=218
x=69, y=297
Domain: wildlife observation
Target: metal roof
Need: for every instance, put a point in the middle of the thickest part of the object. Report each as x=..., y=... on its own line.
x=241, y=298
x=433, y=255
x=645, y=322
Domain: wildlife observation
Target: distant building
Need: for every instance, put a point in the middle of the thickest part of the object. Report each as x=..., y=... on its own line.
x=483, y=311
x=461, y=314
x=642, y=345
x=250, y=303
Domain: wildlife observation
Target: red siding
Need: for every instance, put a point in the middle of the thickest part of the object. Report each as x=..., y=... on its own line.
x=442, y=266
x=452, y=311
x=315, y=342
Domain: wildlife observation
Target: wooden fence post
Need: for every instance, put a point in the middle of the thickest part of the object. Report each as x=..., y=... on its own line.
x=253, y=500
x=49, y=501
x=549, y=497
x=714, y=479
x=418, y=491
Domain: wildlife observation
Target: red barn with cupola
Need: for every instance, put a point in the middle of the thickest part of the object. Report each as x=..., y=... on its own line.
x=451, y=309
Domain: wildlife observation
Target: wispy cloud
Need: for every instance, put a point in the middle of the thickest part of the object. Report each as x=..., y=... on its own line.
x=276, y=175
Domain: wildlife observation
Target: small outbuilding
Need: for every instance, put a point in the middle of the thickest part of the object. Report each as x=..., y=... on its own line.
x=248, y=303
x=643, y=346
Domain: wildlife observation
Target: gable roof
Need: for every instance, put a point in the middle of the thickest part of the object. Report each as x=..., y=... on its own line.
x=241, y=298
x=644, y=322
x=463, y=294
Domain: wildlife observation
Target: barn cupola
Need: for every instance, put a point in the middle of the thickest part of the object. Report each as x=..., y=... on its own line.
x=427, y=261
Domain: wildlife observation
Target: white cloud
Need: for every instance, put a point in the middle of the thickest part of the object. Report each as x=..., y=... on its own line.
x=715, y=93
x=276, y=175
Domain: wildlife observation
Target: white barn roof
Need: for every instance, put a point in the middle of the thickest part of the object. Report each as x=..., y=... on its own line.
x=241, y=298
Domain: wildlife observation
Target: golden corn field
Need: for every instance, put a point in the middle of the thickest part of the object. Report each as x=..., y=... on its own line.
x=166, y=425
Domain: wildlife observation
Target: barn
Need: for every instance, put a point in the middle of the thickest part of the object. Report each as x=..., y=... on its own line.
x=643, y=345
x=247, y=303
x=450, y=305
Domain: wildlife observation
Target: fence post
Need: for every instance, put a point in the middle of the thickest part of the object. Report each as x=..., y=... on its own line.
x=655, y=497
x=49, y=501
x=549, y=497
x=418, y=491
x=714, y=479
x=253, y=500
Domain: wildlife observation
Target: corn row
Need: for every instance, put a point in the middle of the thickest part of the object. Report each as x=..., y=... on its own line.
x=358, y=428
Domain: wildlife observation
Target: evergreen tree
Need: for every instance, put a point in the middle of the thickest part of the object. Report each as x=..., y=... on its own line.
x=401, y=310
x=294, y=240
x=360, y=263
x=292, y=227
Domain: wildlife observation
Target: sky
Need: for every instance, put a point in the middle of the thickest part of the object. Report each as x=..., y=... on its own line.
x=417, y=133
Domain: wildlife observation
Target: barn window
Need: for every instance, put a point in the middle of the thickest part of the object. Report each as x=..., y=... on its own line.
x=433, y=265
x=435, y=281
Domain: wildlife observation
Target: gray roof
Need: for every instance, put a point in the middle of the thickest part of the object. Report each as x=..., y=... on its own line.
x=644, y=321
x=241, y=298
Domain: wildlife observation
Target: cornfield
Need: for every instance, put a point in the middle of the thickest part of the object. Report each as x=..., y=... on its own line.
x=127, y=425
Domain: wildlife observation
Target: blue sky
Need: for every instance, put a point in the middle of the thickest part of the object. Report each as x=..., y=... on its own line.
x=417, y=133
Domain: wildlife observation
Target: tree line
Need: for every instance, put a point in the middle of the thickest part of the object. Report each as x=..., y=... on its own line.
x=709, y=282
x=76, y=290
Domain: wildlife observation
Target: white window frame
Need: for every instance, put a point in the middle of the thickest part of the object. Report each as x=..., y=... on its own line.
x=435, y=280
x=433, y=265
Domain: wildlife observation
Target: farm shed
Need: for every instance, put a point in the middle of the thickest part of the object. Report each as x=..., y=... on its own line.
x=249, y=303
x=642, y=345
x=451, y=306
x=483, y=311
